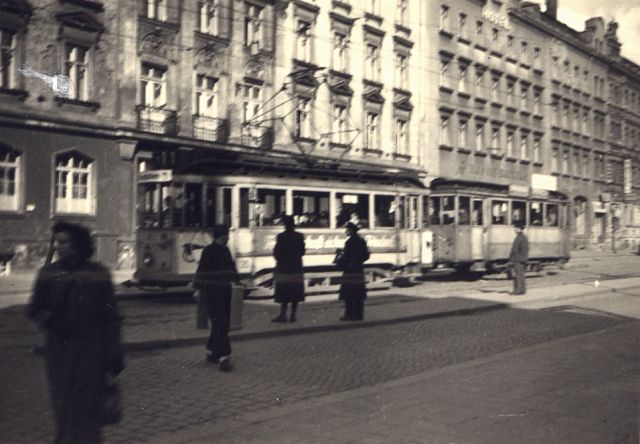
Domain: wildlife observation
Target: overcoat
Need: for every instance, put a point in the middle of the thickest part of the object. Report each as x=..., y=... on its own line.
x=289, y=277
x=355, y=254
x=75, y=305
x=519, y=249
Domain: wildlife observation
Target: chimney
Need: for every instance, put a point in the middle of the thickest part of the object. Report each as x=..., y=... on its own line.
x=552, y=9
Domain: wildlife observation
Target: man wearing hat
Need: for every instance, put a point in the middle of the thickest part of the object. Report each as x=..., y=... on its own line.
x=353, y=289
x=518, y=258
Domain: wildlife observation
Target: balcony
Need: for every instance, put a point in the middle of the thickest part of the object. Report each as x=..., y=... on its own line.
x=211, y=129
x=157, y=120
x=256, y=136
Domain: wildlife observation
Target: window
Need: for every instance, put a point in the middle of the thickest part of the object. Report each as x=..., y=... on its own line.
x=402, y=11
x=10, y=169
x=270, y=206
x=444, y=18
x=444, y=73
x=477, y=213
x=495, y=83
x=462, y=133
x=479, y=32
x=577, y=165
x=311, y=209
x=495, y=36
x=552, y=215
x=537, y=147
x=7, y=60
x=433, y=209
x=402, y=72
x=372, y=62
x=448, y=207
x=576, y=76
x=585, y=121
x=303, y=118
x=510, y=92
x=208, y=17
x=555, y=67
x=536, y=102
x=153, y=86
x=537, y=63
x=518, y=212
x=464, y=210
x=251, y=100
x=206, y=96
x=156, y=9
x=339, y=125
x=352, y=208
x=510, y=143
x=495, y=138
x=444, y=137
x=554, y=159
x=524, y=145
x=340, y=47
x=510, y=45
x=462, y=25
x=499, y=212
x=76, y=69
x=73, y=186
x=462, y=78
x=524, y=52
x=303, y=41
x=479, y=136
x=479, y=82
x=252, y=26
x=401, y=136
x=384, y=210
x=565, y=162
x=372, y=131
x=524, y=94
x=373, y=6
x=536, y=213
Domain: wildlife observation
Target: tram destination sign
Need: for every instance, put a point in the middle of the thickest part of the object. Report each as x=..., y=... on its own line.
x=318, y=243
x=153, y=176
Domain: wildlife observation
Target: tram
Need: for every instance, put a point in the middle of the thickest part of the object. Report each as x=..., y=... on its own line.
x=472, y=225
x=178, y=207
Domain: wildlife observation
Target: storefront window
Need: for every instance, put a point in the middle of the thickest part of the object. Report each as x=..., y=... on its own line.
x=499, y=212
x=535, y=213
x=270, y=207
x=518, y=212
x=311, y=209
x=385, y=211
x=352, y=208
x=464, y=210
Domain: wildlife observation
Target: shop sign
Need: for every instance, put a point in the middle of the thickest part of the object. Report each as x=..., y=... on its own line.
x=153, y=176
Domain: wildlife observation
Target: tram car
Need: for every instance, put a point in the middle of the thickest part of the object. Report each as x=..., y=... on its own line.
x=473, y=225
x=178, y=208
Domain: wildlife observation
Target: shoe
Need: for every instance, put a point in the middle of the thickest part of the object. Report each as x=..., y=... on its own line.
x=344, y=318
x=292, y=319
x=225, y=363
x=280, y=318
x=214, y=359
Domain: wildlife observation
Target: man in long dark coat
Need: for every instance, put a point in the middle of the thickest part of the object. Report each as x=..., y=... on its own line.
x=288, y=275
x=214, y=276
x=353, y=289
x=518, y=258
x=74, y=303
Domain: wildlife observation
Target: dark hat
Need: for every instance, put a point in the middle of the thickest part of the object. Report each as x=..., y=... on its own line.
x=352, y=226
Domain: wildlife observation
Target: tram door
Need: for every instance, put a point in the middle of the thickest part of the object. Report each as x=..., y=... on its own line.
x=413, y=233
x=477, y=229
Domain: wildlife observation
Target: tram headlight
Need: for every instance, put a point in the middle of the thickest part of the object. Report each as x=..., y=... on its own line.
x=147, y=259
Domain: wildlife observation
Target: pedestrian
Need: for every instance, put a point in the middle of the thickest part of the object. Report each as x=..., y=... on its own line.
x=351, y=261
x=73, y=302
x=518, y=258
x=214, y=276
x=288, y=275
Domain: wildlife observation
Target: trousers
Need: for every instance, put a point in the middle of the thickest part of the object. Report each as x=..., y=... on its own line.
x=519, y=286
x=219, y=308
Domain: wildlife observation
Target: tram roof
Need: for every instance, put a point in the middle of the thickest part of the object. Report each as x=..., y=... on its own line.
x=458, y=186
x=296, y=166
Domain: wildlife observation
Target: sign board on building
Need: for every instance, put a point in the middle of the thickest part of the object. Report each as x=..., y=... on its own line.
x=152, y=176
x=544, y=182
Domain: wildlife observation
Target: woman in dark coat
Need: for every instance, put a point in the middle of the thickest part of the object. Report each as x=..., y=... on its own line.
x=353, y=289
x=288, y=276
x=74, y=303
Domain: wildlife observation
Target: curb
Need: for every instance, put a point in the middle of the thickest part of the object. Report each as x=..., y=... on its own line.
x=185, y=342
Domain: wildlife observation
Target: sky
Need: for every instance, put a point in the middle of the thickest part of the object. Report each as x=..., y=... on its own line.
x=626, y=13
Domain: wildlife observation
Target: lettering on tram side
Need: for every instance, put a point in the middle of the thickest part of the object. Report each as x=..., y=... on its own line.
x=327, y=242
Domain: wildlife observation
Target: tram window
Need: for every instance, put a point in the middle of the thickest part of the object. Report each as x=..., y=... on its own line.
x=412, y=212
x=311, y=209
x=552, y=215
x=448, y=210
x=244, y=207
x=476, y=214
x=518, y=212
x=226, y=207
x=402, y=205
x=385, y=210
x=210, y=206
x=499, y=212
x=150, y=205
x=193, y=205
x=434, y=211
x=425, y=212
x=178, y=204
x=270, y=207
x=353, y=208
x=464, y=205
x=535, y=213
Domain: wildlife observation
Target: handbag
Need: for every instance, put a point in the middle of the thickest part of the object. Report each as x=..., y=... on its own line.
x=112, y=413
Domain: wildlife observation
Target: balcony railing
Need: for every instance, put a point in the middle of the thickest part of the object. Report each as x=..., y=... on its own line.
x=208, y=128
x=257, y=136
x=157, y=120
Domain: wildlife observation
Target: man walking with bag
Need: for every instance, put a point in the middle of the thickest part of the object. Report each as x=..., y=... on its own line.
x=216, y=271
